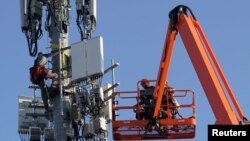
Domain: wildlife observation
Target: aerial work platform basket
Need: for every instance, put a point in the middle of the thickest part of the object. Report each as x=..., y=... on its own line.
x=133, y=120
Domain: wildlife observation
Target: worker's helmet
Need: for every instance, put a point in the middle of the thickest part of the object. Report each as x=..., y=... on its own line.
x=41, y=60
x=145, y=82
x=170, y=90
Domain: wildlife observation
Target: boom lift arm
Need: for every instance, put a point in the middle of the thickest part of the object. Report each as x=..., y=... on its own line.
x=210, y=74
x=158, y=123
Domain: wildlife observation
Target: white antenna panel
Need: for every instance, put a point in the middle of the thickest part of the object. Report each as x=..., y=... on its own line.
x=87, y=58
x=107, y=109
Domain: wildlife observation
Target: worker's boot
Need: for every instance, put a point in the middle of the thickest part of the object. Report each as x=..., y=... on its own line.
x=48, y=111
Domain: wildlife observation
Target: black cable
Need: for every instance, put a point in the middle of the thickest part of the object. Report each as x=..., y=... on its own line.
x=20, y=136
x=39, y=32
x=33, y=32
x=47, y=28
x=53, y=12
x=32, y=51
x=78, y=23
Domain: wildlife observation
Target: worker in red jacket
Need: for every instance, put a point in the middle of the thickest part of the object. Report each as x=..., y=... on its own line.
x=38, y=74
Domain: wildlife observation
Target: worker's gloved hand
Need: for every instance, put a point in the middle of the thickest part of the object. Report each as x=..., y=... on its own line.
x=55, y=83
x=54, y=89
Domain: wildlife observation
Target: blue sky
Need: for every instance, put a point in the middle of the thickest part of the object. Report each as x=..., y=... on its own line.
x=134, y=33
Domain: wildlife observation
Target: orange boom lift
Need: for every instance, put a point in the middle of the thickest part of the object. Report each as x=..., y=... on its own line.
x=219, y=94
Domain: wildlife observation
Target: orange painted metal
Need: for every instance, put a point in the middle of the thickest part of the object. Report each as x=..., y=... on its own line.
x=130, y=128
x=208, y=70
x=219, y=94
x=214, y=83
x=163, y=68
x=221, y=74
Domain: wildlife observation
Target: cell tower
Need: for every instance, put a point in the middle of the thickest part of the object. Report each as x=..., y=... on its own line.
x=81, y=106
